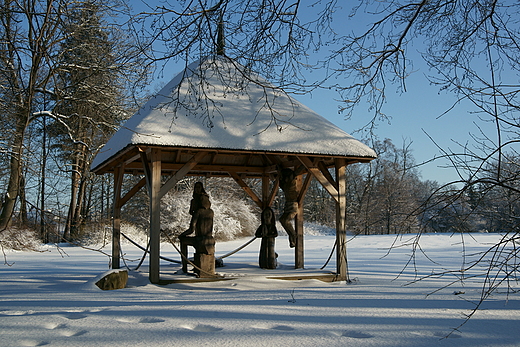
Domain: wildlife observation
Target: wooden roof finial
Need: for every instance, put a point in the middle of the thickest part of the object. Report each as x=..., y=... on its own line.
x=220, y=35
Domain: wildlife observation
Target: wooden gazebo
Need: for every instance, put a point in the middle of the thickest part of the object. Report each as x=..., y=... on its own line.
x=217, y=120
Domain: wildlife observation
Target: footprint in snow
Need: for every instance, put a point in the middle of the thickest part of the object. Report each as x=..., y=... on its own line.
x=33, y=343
x=201, y=328
x=71, y=333
x=151, y=320
x=353, y=334
x=52, y=326
x=273, y=327
x=74, y=316
x=282, y=328
x=127, y=320
x=438, y=334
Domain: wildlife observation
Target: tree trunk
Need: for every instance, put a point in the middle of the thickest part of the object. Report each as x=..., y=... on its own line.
x=15, y=172
x=67, y=234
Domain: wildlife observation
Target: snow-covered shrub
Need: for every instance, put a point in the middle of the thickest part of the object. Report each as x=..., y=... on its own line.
x=95, y=234
x=19, y=239
x=100, y=234
x=234, y=216
x=317, y=229
x=135, y=233
x=175, y=206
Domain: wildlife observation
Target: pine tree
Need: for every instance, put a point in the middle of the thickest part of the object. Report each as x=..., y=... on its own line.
x=90, y=97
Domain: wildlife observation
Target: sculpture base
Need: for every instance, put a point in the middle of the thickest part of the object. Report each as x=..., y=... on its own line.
x=206, y=263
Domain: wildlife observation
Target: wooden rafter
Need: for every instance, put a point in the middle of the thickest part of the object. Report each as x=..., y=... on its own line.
x=273, y=193
x=132, y=192
x=316, y=172
x=304, y=188
x=146, y=166
x=246, y=188
x=172, y=181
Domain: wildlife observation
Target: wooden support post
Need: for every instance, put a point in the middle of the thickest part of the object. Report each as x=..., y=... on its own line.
x=155, y=217
x=116, y=222
x=341, y=225
x=265, y=191
x=298, y=228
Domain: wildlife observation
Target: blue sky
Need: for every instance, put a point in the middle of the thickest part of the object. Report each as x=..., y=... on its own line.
x=414, y=118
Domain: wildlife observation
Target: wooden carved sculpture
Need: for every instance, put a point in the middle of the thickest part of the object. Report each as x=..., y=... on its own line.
x=267, y=231
x=202, y=225
x=288, y=185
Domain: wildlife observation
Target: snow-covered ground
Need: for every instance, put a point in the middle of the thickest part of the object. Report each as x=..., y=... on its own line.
x=49, y=298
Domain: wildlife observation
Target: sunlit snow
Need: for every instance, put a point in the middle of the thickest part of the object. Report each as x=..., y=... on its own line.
x=49, y=298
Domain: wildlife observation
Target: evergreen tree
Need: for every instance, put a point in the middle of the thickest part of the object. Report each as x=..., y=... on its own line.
x=90, y=96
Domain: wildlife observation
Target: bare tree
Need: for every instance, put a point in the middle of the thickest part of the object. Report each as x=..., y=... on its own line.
x=472, y=48
x=29, y=35
x=384, y=196
x=44, y=48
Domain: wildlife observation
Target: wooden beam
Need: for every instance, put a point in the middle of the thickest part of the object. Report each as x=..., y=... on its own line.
x=274, y=192
x=207, y=168
x=246, y=188
x=146, y=167
x=265, y=191
x=132, y=192
x=155, y=216
x=325, y=171
x=304, y=188
x=341, y=225
x=316, y=172
x=181, y=173
x=132, y=159
x=298, y=228
x=116, y=221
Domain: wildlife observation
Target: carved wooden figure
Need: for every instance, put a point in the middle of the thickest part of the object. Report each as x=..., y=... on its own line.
x=202, y=225
x=267, y=231
x=290, y=210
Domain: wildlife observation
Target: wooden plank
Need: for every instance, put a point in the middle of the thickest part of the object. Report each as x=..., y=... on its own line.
x=207, y=168
x=146, y=167
x=341, y=226
x=155, y=216
x=181, y=173
x=275, y=157
x=116, y=221
x=132, y=159
x=305, y=187
x=273, y=193
x=132, y=192
x=246, y=188
x=316, y=172
x=265, y=191
x=325, y=171
x=298, y=228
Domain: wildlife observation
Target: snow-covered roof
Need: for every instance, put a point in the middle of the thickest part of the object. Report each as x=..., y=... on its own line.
x=217, y=104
